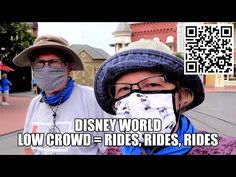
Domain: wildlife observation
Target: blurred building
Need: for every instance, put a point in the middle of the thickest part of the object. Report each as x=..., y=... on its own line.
x=172, y=34
x=92, y=58
x=122, y=36
x=126, y=32
x=163, y=31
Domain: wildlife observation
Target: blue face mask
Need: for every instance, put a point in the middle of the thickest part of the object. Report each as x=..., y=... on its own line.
x=50, y=79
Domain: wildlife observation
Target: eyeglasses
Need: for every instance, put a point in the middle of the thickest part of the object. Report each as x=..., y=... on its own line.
x=153, y=83
x=54, y=63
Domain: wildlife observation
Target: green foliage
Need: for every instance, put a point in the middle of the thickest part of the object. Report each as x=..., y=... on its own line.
x=14, y=38
x=179, y=55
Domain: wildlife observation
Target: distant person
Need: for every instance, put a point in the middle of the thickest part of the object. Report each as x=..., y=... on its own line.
x=61, y=100
x=5, y=84
x=0, y=88
x=147, y=81
x=35, y=88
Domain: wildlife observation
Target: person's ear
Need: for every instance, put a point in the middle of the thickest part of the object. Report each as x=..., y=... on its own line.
x=186, y=97
x=70, y=65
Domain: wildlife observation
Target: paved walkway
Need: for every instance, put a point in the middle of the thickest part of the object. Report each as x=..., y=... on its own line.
x=8, y=144
x=228, y=89
x=12, y=120
x=216, y=113
x=23, y=94
x=12, y=117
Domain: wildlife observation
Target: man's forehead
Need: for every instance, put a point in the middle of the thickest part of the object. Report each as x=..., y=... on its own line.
x=48, y=53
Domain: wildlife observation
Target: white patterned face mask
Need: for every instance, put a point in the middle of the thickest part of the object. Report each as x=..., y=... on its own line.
x=139, y=105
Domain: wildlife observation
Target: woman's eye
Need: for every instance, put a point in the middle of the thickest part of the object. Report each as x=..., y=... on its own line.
x=152, y=85
x=124, y=89
x=55, y=61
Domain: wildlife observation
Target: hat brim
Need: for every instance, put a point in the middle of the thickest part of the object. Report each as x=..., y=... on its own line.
x=23, y=59
x=143, y=59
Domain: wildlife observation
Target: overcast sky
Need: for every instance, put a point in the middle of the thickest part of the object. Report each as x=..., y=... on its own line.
x=95, y=34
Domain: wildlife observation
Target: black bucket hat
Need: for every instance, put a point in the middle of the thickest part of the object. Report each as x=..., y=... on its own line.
x=144, y=55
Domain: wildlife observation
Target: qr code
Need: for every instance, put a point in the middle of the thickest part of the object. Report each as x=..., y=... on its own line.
x=208, y=49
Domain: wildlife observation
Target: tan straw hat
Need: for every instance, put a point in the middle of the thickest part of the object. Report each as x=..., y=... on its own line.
x=50, y=42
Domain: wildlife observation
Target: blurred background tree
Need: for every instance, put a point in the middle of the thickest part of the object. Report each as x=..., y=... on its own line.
x=179, y=55
x=14, y=38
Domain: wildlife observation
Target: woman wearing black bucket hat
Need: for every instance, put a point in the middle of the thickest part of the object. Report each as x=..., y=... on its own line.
x=147, y=81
